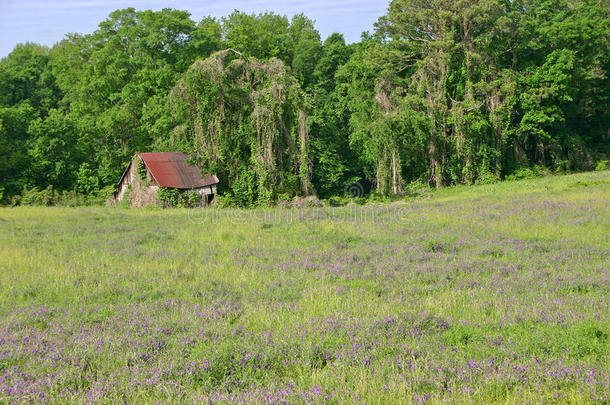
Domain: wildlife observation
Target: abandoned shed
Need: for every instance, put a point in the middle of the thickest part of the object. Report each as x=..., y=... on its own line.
x=147, y=172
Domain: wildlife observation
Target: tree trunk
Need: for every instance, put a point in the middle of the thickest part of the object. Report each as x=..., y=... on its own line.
x=396, y=175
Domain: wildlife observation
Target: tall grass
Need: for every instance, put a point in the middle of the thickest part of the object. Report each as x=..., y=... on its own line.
x=486, y=294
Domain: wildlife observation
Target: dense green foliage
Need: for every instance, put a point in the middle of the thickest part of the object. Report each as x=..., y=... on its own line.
x=444, y=92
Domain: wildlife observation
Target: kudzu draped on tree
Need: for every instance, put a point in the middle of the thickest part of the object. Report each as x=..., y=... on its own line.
x=245, y=120
x=496, y=82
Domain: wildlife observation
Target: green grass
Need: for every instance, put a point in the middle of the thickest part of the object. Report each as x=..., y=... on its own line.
x=484, y=294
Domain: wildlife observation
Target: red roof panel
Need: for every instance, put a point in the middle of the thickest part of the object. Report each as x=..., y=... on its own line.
x=170, y=169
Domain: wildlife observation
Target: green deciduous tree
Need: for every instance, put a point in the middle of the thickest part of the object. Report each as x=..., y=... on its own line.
x=117, y=79
x=28, y=91
x=52, y=149
x=335, y=165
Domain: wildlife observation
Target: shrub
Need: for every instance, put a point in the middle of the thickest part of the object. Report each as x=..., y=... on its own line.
x=34, y=197
x=70, y=199
x=283, y=198
x=601, y=166
x=541, y=171
x=171, y=197
x=86, y=180
x=521, y=174
x=417, y=188
x=486, y=177
x=561, y=166
x=101, y=196
x=337, y=201
x=225, y=200
x=373, y=197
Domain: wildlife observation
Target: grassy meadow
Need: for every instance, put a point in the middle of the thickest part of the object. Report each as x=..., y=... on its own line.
x=485, y=294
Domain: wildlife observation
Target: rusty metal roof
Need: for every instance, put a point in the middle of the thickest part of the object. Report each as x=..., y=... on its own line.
x=170, y=169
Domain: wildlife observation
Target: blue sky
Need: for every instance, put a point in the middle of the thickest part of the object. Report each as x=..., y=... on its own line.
x=46, y=22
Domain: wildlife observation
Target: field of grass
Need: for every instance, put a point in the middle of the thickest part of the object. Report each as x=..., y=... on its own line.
x=488, y=294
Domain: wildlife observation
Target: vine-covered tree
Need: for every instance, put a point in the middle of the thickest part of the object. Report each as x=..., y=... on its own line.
x=245, y=120
x=485, y=113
